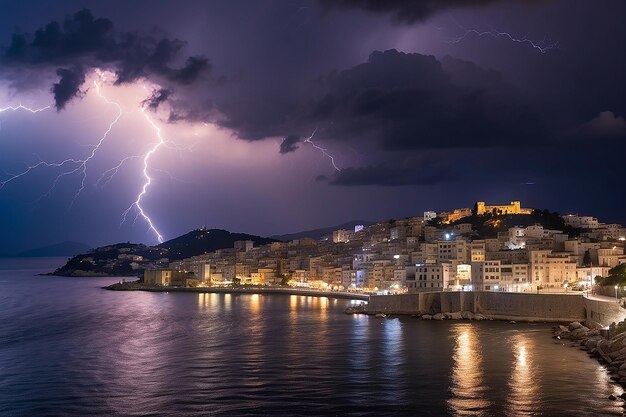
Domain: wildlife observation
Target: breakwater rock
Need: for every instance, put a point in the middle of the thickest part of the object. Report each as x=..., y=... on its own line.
x=610, y=351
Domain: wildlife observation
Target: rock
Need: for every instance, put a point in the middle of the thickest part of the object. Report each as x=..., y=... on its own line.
x=466, y=315
x=579, y=333
x=615, y=346
x=594, y=332
x=563, y=328
x=623, y=395
x=427, y=317
x=593, y=325
x=512, y=322
x=575, y=325
x=479, y=317
x=455, y=316
x=438, y=316
x=612, y=397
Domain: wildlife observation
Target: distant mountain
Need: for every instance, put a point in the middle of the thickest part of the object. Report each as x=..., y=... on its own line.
x=58, y=249
x=324, y=231
x=132, y=258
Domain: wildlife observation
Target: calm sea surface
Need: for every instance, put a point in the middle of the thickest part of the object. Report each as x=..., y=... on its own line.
x=69, y=348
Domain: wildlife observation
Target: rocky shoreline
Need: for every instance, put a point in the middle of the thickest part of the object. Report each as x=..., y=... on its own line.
x=610, y=351
x=458, y=315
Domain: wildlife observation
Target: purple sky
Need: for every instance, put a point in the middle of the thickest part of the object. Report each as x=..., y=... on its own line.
x=423, y=105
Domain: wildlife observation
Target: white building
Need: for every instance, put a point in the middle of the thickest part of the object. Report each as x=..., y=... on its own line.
x=581, y=222
x=429, y=277
x=429, y=215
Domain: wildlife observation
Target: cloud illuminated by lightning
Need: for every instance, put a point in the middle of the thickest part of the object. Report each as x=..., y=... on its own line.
x=542, y=46
x=324, y=151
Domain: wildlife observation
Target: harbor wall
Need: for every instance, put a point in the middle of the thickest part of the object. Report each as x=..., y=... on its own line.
x=502, y=305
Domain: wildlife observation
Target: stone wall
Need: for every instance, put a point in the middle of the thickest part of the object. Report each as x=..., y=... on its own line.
x=502, y=305
x=604, y=312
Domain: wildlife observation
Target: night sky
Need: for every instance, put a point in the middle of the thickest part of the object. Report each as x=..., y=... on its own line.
x=279, y=116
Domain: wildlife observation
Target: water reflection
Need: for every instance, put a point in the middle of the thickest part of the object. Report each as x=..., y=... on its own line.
x=522, y=382
x=467, y=386
x=393, y=359
x=255, y=303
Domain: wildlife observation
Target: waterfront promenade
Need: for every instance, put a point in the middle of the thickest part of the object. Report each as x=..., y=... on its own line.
x=242, y=290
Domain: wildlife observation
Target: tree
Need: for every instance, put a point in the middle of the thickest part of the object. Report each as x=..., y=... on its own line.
x=587, y=258
x=617, y=276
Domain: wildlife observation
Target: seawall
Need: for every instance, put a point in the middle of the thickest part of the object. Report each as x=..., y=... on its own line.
x=240, y=290
x=502, y=306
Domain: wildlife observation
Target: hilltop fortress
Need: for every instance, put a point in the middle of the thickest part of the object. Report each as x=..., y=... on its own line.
x=480, y=208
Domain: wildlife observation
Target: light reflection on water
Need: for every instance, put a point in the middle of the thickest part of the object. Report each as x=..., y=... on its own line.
x=69, y=348
x=523, y=395
x=467, y=385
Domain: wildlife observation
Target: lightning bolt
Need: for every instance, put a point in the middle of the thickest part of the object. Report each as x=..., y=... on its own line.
x=148, y=180
x=542, y=46
x=21, y=107
x=111, y=172
x=82, y=166
x=79, y=165
x=324, y=151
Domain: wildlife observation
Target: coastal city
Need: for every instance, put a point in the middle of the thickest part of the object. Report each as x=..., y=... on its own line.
x=501, y=248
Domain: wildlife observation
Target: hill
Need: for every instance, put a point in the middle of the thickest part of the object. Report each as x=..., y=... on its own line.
x=202, y=241
x=319, y=233
x=126, y=259
x=67, y=248
x=488, y=226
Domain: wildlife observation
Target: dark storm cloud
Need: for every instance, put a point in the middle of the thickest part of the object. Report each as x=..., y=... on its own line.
x=289, y=144
x=406, y=11
x=86, y=43
x=408, y=101
x=387, y=174
x=68, y=86
x=399, y=101
x=157, y=98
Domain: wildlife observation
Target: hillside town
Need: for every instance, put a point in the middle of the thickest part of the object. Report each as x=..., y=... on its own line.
x=485, y=248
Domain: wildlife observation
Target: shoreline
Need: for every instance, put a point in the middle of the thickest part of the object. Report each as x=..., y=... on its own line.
x=254, y=290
